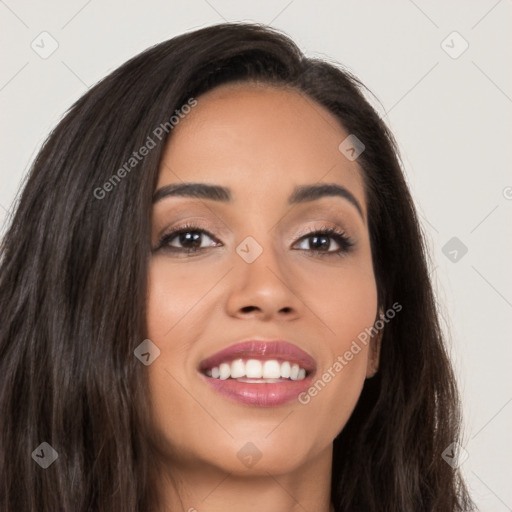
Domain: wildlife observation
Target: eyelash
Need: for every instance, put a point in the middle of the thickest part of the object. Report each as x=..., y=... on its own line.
x=336, y=234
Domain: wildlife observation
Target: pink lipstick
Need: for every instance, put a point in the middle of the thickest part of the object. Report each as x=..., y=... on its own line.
x=259, y=373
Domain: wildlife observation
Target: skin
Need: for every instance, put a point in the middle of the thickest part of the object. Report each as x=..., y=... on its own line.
x=261, y=142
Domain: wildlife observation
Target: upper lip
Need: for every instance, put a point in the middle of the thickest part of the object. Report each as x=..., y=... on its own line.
x=261, y=349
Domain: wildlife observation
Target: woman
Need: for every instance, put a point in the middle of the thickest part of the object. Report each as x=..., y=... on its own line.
x=215, y=296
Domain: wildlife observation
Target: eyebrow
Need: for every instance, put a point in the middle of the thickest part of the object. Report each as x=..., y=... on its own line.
x=301, y=194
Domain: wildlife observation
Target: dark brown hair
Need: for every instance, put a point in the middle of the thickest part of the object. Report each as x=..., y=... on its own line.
x=73, y=284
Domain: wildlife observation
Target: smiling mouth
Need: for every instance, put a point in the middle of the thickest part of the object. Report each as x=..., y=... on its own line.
x=257, y=371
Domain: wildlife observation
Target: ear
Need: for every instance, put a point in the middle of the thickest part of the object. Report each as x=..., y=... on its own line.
x=374, y=354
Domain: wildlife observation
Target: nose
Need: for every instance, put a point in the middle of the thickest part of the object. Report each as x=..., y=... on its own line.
x=263, y=289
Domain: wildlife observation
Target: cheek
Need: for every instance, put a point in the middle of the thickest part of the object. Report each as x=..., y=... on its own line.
x=352, y=308
x=348, y=308
x=344, y=300
x=173, y=292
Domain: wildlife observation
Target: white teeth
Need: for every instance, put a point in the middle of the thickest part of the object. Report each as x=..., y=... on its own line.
x=260, y=381
x=224, y=371
x=272, y=369
x=237, y=369
x=254, y=370
x=285, y=370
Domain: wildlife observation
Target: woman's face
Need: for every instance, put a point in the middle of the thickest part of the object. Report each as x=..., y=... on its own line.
x=252, y=272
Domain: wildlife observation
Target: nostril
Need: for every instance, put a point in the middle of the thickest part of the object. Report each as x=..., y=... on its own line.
x=248, y=309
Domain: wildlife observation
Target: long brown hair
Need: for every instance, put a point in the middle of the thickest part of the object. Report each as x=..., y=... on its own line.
x=73, y=283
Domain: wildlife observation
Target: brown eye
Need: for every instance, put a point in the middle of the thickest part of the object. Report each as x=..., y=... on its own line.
x=187, y=239
x=320, y=241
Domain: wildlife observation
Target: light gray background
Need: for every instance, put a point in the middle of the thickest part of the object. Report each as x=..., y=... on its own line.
x=451, y=116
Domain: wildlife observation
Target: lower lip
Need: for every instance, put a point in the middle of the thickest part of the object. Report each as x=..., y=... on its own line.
x=260, y=395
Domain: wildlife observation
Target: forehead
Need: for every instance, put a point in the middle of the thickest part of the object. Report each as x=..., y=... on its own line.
x=260, y=139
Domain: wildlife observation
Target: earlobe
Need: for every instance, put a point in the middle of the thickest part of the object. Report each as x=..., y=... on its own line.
x=374, y=355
